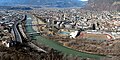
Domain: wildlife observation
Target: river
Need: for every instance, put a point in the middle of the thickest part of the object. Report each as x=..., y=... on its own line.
x=57, y=46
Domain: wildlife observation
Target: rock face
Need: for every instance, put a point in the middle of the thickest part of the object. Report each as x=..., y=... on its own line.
x=103, y=5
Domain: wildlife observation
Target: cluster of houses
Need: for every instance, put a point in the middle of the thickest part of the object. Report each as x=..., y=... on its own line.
x=85, y=24
x=7, y=20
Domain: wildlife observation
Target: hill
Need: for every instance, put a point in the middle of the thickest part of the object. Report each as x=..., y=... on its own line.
x=103, y=5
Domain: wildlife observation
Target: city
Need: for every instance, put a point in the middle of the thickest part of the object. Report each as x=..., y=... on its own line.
x=70, y=33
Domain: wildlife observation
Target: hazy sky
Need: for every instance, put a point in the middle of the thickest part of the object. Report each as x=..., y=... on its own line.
x=83, y=0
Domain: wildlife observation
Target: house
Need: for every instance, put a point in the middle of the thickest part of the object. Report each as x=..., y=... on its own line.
x=1, y=27
x=4, y=43
x=73, y=34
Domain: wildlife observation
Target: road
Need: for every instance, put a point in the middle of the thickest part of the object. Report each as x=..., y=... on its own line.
x=16, y=31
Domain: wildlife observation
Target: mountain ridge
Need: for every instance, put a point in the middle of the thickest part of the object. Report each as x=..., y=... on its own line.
x=49, y=3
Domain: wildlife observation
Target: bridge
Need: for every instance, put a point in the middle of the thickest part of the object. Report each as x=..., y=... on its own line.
x=34, y=24
x=34, y=33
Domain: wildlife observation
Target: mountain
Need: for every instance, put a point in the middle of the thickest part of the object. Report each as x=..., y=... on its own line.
x=43, y=3
x=15, y=8
x=12, y=2
x=103, y=5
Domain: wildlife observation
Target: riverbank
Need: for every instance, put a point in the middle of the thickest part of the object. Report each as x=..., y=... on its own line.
x=59, y=47
x=88, y=46
x=100, y=46
x=36, y=21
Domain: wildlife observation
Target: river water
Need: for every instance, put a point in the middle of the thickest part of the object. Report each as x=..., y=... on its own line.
x=56, y=45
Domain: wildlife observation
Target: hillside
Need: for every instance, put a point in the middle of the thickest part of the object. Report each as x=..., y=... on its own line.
x=103, y=5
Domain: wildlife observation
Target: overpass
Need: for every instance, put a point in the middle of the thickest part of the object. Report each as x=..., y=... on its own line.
x=34, y=24
x=34, y=33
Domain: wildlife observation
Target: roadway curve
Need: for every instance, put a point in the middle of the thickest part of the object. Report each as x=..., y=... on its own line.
x=18, y=35
x=16, y=30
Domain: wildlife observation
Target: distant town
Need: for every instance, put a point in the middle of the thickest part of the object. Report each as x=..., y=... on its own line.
x=83, y=30
x=67, y=33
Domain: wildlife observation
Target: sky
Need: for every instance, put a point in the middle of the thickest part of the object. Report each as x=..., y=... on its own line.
x=83, y=0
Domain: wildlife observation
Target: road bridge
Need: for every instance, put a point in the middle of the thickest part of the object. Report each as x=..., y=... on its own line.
x=34, y=24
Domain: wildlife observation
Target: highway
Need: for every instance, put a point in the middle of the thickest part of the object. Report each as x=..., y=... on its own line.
x=16, y=31
x=18, y=35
